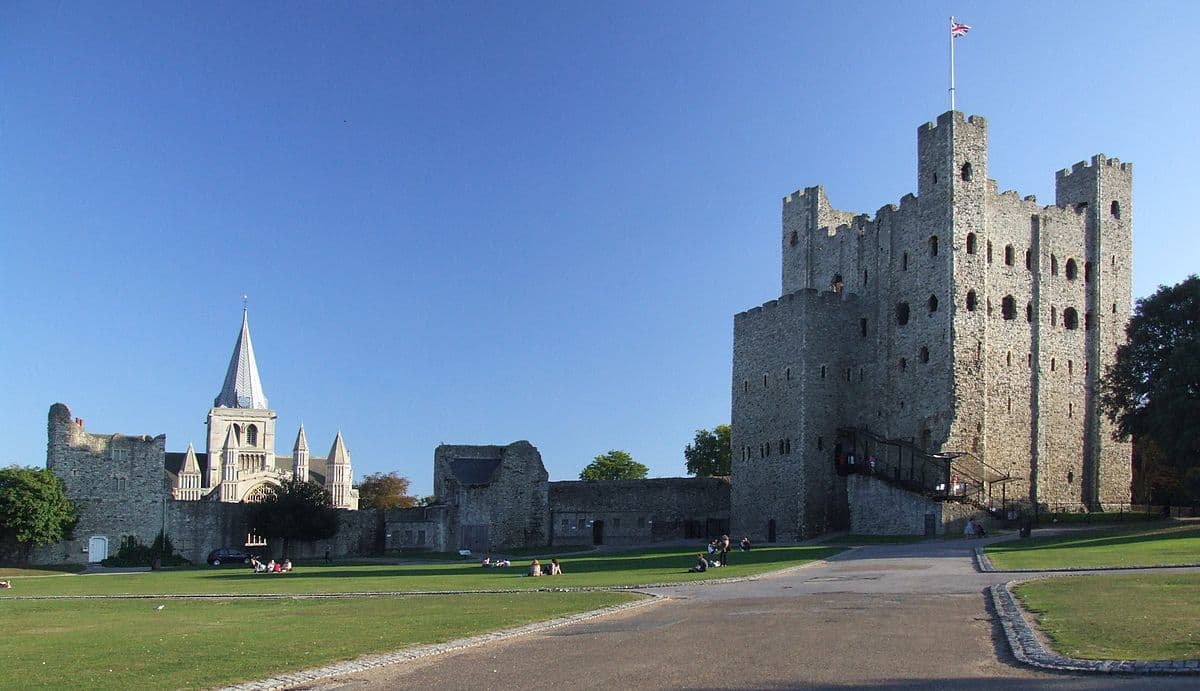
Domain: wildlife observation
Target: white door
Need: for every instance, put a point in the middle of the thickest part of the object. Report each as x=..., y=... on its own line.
x=97, y=549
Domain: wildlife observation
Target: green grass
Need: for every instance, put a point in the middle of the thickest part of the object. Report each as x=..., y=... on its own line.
x=1101, y=548
x=125, y=644
x=1118, y=616
x=659, y=565
x=1047, y=520
x=7, y=572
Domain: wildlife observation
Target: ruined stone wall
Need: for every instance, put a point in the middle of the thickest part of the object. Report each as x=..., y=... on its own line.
x=418, y=528
x=635, y=512
x=513, y=502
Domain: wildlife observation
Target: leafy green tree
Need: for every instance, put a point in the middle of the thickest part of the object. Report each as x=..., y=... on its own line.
x=709, y=454
x=385, y=491
x=34, y=508
x=295, y=510
x=1153, y=390
x=614, y=465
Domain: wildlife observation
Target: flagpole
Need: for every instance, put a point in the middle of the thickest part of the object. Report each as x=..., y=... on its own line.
x=951, y=63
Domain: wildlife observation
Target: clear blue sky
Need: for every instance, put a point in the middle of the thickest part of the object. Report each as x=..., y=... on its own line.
x=484, y=222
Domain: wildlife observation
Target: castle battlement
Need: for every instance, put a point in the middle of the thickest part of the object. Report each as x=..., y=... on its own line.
x=1095, y=162
x=953, y=117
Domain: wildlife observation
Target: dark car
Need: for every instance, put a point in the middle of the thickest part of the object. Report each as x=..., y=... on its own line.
x=228, y=555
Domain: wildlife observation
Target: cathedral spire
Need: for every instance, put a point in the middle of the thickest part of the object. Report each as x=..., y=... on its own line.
x=243, y=388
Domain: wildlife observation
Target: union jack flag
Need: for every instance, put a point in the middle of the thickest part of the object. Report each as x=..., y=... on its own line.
x=957, y=30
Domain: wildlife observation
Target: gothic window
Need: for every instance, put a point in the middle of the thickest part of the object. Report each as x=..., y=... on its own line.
x=924, y=354
x=836, y=284
x=1008, y=255
x=1008, y=307
x=933, y=304
x=251, y=435
x=904, y=262
x=933, y=245
x=970, y=243
x=971, y=301
x=966, y=172
x=1070, y=319
x=256, y=495
x=1053, y=265
x=1115, y=209
x=902, y=313
x=1072, y=270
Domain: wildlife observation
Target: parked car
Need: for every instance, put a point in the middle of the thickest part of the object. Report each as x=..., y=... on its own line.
x=228, y=555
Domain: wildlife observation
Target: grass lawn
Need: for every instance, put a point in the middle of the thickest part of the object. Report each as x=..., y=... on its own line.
x=1101, y=548
x=1119, y=616
x=7, y=572
x=658, y=565
x=127, y=644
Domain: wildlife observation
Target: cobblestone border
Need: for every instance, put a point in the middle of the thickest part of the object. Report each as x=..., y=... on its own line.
x=984, y=564
x=1028, y=649
x=284, y=681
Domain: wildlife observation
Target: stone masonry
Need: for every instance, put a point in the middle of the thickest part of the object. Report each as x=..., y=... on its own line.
x=963, y=319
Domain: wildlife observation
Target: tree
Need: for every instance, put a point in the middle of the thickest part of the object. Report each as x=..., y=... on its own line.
x=1152, y=392
x=614, y=465
x=385, y=491
x=295, y=510
x=34, y=508
x=709, y=454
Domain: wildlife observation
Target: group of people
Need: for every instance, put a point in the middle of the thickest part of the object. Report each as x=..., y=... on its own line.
x=718, y=554
x=271, y=566
x=974, y=528
x=489, y=563
x=554, y=569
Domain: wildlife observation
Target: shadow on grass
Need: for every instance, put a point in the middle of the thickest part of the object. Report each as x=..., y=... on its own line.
x=1099, y=538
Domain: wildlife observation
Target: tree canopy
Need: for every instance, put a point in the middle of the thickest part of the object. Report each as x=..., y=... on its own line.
x=34, y=508
x=709, y=454
x=385, y=491
x=614, y=465
x=1152, y=392
x=295, y=510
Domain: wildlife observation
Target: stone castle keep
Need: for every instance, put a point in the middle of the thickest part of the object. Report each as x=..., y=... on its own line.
x=951, y=346
x=959, y=337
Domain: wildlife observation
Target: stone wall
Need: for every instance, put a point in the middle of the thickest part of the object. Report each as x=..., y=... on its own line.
x=635, y=512
x=496, y=496
x=419, y=528
x=878, y=508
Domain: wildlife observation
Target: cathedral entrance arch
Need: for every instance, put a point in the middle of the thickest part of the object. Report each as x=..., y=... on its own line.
x=97, y=549
x=257, y=494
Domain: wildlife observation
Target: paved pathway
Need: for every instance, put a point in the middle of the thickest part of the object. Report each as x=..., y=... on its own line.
x=886, y=615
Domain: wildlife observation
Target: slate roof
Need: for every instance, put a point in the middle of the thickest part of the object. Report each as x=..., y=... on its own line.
x=243, y=388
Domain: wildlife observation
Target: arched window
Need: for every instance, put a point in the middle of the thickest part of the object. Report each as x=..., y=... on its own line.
x=924, y=354
x=251, y=435
x=1115, y=209
x=1072, y=270
x=1053, y=265
x=970, y=243
x=971, y=301
x=902, y=313
x=1008, y=255
x=966, y=172
x=933, y=245
x=1070, y=319
x=1008, y=307
x=933, y=304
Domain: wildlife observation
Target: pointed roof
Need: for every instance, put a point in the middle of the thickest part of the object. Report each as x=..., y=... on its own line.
x=301, y=441
x=243, y=388
x=231, y=439
x=338, y=454
x=190, y=465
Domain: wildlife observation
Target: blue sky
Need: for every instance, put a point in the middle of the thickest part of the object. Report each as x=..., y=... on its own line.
x=484, y=222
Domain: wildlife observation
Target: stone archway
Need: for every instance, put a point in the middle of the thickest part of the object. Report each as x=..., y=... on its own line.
x=257, y=493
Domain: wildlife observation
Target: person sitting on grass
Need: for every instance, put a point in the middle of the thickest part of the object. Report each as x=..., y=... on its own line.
x=701, y=564
x=502, y=563
x=555, y=568
x=271, y=566
x=535, y=568
x=745, y=546
x=487, y=562
x=4, y=585
x=257, y=565
x=287, y=565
